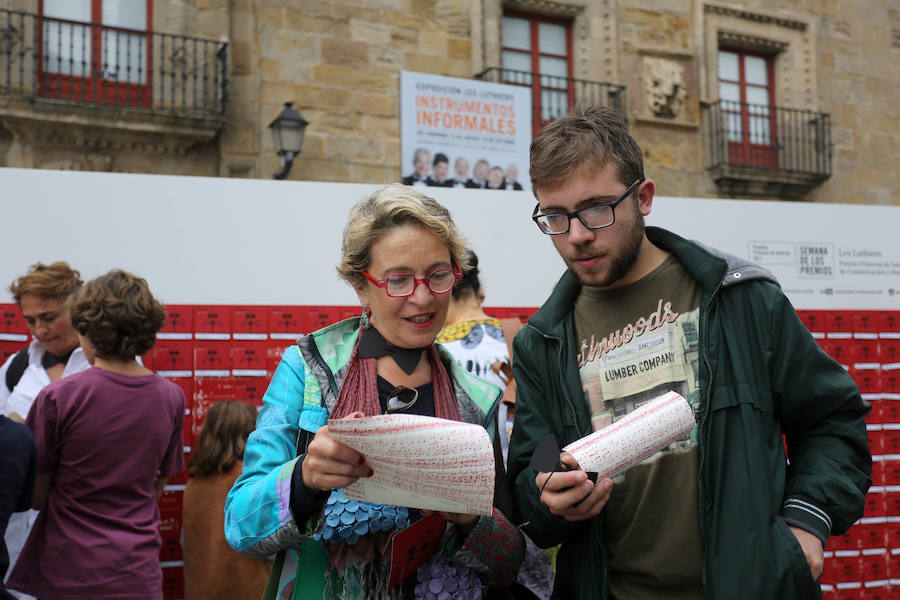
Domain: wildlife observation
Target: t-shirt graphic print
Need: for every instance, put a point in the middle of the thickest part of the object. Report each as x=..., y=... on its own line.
x=628, y=356
x=635, y=343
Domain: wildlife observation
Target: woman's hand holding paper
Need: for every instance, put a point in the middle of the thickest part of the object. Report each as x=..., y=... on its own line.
x=330, y=464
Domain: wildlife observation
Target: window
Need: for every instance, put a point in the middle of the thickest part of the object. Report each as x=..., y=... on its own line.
x=95, y=50
x=537, y=46
x=747, y=95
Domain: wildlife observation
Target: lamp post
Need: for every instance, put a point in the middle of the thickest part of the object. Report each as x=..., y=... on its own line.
x=287, y=132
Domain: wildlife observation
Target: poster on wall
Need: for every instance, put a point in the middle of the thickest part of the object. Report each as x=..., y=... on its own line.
x=463, y=133
x=824, y=256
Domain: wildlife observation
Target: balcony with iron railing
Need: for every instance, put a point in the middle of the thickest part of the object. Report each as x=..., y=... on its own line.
x=98, y=67
x=552, y=96
x=760, y=149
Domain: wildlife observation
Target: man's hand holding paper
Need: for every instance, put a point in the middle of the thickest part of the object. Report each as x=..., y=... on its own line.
x=610, y=451
x=571, y=494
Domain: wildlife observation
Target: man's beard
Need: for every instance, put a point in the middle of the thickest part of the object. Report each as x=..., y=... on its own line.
x=625, y=257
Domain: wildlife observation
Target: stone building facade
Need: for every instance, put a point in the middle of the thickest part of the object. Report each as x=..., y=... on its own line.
x=832, y=79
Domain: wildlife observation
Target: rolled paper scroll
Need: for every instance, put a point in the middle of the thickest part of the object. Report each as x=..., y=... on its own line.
x=636, y=436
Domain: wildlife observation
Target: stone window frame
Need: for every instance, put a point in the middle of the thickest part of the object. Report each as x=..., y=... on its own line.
x=791, y=41
x=594, y=33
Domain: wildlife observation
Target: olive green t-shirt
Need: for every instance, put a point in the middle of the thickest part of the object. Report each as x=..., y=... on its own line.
x=635, y=344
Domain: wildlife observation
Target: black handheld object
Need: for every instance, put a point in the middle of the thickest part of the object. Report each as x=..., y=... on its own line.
x=545, y=458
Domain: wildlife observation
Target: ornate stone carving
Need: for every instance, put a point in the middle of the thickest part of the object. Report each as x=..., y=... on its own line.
x=84, y=162
x=734, y=39
x=664, y=87
x=548, y=7
x=755, y=16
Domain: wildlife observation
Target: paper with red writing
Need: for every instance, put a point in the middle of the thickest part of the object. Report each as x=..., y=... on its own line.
x=421, y=462
x=636, y=436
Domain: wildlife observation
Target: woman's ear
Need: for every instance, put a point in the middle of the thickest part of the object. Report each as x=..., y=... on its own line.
x=362, y=294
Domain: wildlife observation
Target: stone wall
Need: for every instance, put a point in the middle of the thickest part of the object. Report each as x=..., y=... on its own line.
x=859, y=85
x=339, y=62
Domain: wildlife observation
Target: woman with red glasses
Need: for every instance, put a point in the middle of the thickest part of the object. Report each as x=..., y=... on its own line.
x=402, y=254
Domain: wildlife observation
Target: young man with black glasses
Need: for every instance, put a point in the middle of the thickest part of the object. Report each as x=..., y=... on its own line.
x=640, y=312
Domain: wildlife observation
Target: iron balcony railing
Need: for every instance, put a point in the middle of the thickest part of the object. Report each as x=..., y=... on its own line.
x=94, y=64
x=553, y=96
x=768, y=137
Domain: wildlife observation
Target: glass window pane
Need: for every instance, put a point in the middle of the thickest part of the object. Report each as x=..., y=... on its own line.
x=759, y=130
x=758, y=96
x=552, y=38
x=733, y=127
x=728, y=66
x=67, y=47
x=755, y=70
x=553, y=104
x=730, y=91
x=516, y=33
x=553, y=66
x=131, y=14
x=74, y=10
x=124, y=57
x=516, y=60
x=124, y=54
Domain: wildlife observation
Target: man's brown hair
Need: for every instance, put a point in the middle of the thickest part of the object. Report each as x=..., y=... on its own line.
x=584, y=140
x=223, y=438
x=118, y=314
x=57, y=280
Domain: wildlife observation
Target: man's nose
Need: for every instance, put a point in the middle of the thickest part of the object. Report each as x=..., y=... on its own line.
x=578, y=233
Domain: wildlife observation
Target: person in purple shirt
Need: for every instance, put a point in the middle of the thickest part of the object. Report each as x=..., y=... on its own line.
x=18, y=463
x=107, y=440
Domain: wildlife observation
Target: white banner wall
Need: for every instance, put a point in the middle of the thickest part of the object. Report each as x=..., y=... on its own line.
x=240, y=241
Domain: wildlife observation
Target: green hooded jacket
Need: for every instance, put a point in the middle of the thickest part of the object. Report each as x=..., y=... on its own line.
x=763, y=381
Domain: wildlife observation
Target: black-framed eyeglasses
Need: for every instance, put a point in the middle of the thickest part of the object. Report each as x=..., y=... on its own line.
x=401, y=399
x=400, y=285
x=595, y=216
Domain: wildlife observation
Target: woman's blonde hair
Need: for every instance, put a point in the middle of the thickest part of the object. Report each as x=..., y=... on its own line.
x=223, y=438
x=57, y=280
x=389, y=207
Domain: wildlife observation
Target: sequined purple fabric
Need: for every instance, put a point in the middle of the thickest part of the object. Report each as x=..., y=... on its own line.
x=439, y=579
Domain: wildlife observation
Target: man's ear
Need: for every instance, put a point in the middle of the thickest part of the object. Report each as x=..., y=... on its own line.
x=645, y=196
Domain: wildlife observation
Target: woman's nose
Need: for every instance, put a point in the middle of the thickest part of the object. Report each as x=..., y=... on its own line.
x=422, y=293
x=41, y=328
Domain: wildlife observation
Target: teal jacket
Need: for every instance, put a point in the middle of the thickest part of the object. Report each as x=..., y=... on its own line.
x=762, y=376
x=303, y=390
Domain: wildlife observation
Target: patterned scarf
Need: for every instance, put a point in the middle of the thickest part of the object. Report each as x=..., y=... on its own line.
x=359, y=392
x=356, y=548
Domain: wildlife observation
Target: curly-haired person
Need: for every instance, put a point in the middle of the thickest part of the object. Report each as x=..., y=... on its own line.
x=107, y=438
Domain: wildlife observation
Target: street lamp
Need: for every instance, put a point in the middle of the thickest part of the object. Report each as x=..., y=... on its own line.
x=287, y=131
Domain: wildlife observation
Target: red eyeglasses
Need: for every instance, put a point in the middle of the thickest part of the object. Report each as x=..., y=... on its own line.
x=400, y=285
